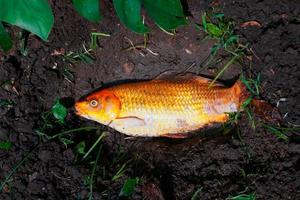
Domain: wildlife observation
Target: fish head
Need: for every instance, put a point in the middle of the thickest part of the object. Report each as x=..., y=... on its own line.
x=102, y=106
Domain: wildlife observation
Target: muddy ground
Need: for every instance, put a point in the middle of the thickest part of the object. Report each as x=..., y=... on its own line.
x=243, y=161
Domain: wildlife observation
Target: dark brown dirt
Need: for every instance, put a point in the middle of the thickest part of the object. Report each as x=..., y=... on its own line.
x=256, y=161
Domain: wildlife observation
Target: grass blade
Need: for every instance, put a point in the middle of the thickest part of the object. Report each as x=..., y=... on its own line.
x=93, y=173
x=94, y=145
x=15, y=168
x=223, y=69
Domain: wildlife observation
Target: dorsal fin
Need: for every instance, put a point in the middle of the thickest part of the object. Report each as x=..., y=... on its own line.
x=172, y=76
x=166, y=75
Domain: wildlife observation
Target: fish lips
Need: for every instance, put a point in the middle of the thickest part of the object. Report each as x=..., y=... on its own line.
x=79, y=108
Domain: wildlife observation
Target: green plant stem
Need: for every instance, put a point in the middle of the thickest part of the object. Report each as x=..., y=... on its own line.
x=196, y=194
x=120, y=172
x=88, y=128
x=94, y=145
x=100, y=34
x=15, y=168
x=93, y=172
x=223, y=69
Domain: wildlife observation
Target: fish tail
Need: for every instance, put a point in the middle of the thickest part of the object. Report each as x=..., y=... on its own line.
x=266, y=111
x=261, y=108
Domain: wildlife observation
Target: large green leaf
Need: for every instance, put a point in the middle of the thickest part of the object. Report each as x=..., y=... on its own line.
x=168, y=14
x=129, y=14
x=171, y=7
x=90, y=9
x=32, y=15
x=5, y=41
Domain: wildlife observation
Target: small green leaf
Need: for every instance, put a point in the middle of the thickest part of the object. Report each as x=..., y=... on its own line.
x=247, y=102
x=5, y=145
x=277, y=132
x=243, y=197
x=215, y=49
x=252, y=85
x=59, y=111
x=5, y=103
x=128, y=187
x=214, y=30
x=90, y=9
x=218, y=15
x=168, y=14
x=87, y=180
x=129, y=13
x=231, y=40
x=204, y=23
x=66, y=141
x=80, y=147
x=5, y=40
x=32, y=15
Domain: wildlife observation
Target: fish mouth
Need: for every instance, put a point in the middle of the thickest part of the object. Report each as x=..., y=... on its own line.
x=79, y=109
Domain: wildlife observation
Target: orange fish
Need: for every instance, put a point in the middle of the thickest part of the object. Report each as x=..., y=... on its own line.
x=170, y=106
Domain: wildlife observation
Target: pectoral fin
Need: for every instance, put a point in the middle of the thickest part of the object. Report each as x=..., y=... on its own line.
x=127, y=122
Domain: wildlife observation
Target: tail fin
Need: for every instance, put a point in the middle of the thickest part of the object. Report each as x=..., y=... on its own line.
x=261, y=108
x=266, y=111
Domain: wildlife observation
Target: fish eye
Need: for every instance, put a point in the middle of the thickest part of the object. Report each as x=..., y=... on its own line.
x=93, y=103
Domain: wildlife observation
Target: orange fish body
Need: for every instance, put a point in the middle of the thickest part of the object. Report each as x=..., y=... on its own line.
x=165, y=106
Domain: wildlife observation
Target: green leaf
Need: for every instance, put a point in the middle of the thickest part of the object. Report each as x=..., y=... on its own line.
x=32, y=15
x=129, y=14
x=215, y=49
x=59, y=111
x=277, y=132
x=90, y=9
x=171, y=7
x=204, y=23
x=128, y=187
x=218, y=15
x=5, y=102
x=231, y=40
x=66, y=141
x=5, y=40
x=80, y=147
x=243, y=197
x=5, y=145
x=214, y=30
x=168, y=14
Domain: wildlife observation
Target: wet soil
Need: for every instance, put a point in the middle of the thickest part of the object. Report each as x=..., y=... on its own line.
x=245, y=160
